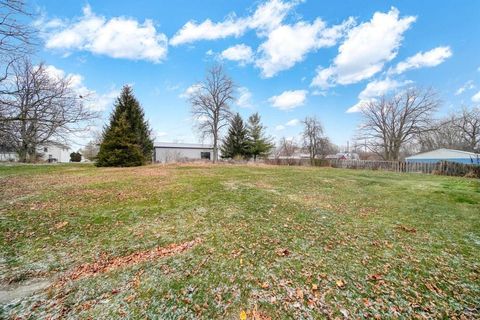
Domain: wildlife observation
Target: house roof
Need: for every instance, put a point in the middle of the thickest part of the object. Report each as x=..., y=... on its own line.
x=182, y=145
x=55, y=143
x=444, y=154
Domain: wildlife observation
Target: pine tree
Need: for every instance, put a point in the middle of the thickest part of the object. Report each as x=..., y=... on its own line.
x=126, y=141
x=259, y=145
x=236, y=143
x=119, y=147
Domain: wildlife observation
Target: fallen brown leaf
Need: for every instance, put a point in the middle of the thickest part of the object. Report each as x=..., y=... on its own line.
x=282, y=252
x=375, y=277
x=61, y=225
x=299, y=294
x=340, y=283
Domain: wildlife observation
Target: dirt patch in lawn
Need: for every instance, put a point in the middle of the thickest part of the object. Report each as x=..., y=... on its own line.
x=20, y=290
x=105, y=264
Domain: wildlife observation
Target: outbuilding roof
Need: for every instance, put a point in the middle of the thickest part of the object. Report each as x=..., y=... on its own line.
x=444, y=154
x=182, y=145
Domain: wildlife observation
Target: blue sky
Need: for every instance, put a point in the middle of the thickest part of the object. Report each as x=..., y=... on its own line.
x=290, y=59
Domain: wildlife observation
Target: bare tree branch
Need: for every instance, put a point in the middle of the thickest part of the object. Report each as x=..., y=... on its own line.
x=16, y=35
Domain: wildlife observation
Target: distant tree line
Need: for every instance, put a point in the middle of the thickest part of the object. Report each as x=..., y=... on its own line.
x=457, y=131
x=404, y=123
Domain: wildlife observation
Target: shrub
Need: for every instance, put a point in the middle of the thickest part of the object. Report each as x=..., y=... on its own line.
x=75, y=157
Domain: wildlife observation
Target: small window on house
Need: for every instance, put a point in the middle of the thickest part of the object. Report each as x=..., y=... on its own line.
x=45, y=149
x=205, y=155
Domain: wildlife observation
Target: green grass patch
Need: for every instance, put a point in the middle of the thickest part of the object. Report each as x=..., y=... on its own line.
x=285, y=242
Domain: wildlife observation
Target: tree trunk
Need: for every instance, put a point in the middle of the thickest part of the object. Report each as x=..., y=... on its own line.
x=215, y=150
x=22, y=155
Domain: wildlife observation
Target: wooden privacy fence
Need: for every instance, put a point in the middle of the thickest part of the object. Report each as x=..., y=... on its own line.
x=299, y=162
x=440, y=167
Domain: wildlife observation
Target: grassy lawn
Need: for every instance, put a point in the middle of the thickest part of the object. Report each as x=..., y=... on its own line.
x=199, y=241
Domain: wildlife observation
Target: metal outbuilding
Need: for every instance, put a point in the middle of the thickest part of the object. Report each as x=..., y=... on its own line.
x=173, y=152
x=446, y=155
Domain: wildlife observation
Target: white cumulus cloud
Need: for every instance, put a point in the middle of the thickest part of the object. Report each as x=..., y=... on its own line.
x=240, y=53
x=430, y=58
x=190, y=90
x=293, y=123
x=284, y=44
x=476, y=97
x=375, y=89
x=366, y=49
x=288, y=100
x=244, y=99
x=118, y=37
x=287, y=45
x=467, y=86
x=267, y=16
x=93, y=100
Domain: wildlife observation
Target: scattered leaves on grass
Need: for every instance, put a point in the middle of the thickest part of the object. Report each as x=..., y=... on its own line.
x=375, y=277
x=406, y=229
x=299, y=294
x=254, y=315
x=60, y=225
x=340, y=283
x=257, y=315
x=265, y=285
x=108, y=264
x=243, y=315
x=282, y=252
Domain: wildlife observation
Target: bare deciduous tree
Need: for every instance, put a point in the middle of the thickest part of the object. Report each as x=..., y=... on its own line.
x=391, y=122
x=326, y=147
x=39, y=108
x=91, y=149
x=458, y=131
x=286, y=148
x=15, y=34
x=312, y=136
x=442, y=134
x=468, y=124
x=210, y=104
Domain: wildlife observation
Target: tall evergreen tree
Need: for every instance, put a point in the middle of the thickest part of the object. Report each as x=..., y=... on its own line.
x=119, y=147
x=236, y=142
x=258, y=144
x=126, y=141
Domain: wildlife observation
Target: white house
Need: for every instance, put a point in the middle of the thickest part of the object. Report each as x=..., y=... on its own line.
x=55, y=152
x=171, y=152
x=49, y=152
x=446, y=155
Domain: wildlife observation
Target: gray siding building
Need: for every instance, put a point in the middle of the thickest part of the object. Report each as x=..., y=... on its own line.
x=172, y=152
